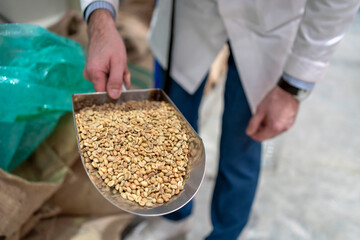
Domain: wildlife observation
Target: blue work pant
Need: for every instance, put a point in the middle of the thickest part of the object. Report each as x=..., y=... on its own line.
x=239, y=163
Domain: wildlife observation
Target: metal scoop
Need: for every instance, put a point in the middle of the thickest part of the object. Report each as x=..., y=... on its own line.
x=196, y=167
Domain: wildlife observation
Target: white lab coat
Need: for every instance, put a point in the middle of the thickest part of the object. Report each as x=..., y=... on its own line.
x=268, y=37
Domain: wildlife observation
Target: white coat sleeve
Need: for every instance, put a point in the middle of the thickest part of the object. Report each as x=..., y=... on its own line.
x=323, y=26
x=85, y=3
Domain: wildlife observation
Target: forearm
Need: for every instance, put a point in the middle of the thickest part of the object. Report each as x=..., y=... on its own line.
x=100, y=21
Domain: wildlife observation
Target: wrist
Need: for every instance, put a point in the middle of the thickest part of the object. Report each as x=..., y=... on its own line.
x=100, y=21
x=299, y=94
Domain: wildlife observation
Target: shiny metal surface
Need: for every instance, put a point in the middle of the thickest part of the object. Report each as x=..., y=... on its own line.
x=196, y=168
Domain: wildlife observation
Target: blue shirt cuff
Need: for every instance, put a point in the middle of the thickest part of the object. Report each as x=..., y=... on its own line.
x=98, y=5
x=298, y=83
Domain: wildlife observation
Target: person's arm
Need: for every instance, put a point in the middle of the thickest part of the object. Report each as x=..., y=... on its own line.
x=106, y=64
x=322, y=27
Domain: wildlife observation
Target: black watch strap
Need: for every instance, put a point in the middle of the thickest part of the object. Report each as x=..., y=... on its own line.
x=287, y=87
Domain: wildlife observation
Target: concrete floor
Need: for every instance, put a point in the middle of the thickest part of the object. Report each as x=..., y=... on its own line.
x=310, y=182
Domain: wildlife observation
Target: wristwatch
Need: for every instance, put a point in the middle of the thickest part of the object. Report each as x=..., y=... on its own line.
x=298, y=93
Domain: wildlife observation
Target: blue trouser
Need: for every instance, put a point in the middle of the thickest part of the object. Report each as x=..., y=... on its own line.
x=239, y=163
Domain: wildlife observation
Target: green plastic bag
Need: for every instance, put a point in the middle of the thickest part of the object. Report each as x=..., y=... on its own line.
x=39, y=71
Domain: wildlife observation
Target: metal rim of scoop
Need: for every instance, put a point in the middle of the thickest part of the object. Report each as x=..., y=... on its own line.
x=196, y=168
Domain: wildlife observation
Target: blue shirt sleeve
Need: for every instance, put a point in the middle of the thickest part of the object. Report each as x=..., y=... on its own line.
x=97, y=5
x=298, y=83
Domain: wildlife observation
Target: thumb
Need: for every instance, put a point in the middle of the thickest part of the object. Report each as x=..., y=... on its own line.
x=127, y=78
x=114, y=84
x=255, y=123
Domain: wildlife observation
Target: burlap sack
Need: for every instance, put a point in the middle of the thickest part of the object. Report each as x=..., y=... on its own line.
x=24, y=191
x=52, y=184
x=80, y=228
x=20, y=199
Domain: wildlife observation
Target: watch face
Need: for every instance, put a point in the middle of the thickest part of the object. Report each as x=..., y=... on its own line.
x=302, y=94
